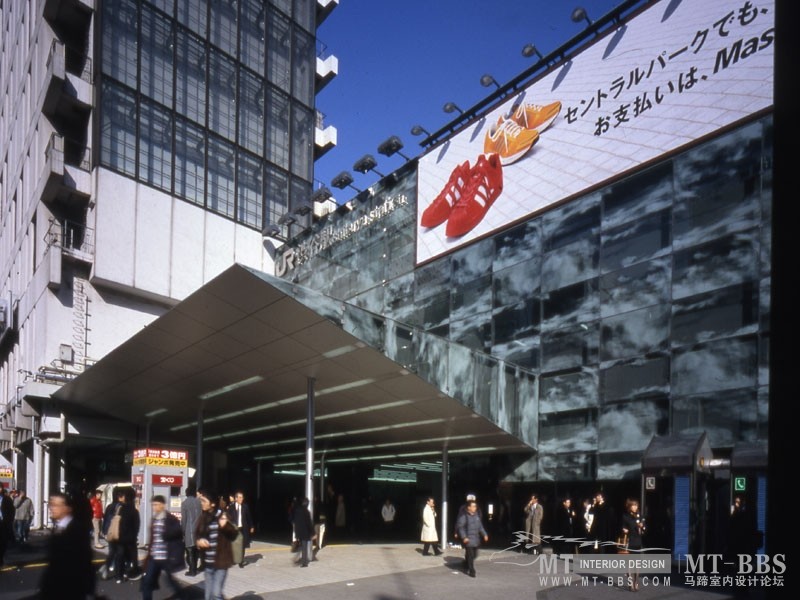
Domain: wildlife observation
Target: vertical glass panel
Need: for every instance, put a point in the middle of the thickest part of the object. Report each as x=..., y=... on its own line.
x=642, y=194
x=717, y=264
x=569, y=348
x=516, y=283
x=636, y=241
x=575, y=466
x=118, y=129
x=764, y=304
x=251, y=112
x=474, y=333
x=508, y=410
x=718, y=187
x=252, y=32
x=573, y=222
x=727, y=417
x=283, y=5
x=523, y=351
x=432, y=278
x=249, y=191
x=638, y=286
x=570, y=305
x=720, y=365
x=472, y=262
x=279, y=51
x=190, y=152
x=571, y=391
x=158, y=46
x=517, y=244
x=631, y=426
x=727, y=312
x=222, y=96
x=302, y=141
x=221, y=168
x=485, y=383
x=404, y=347
x=528, y=400
x=155, y=146
x=460, y=376
x=570, y=264
x=634, y=378
x=516, y=321
x=573, y=431
x=223, y=21
x=190, y=78
x=304, y=66
x=277, y=150
x=635, y=333
x=120, y=25
x=433, y=356
x=168, y=6
x=434, y=310
x=194, y=14
x=304, y=14
x=276, y=193
x=472, y=297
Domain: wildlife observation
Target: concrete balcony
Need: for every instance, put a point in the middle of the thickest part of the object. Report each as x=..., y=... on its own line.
x=325, y=8
x=75, y=240
x=68, y=89
x=327, y=69
x=66, y=175
x=324, y=137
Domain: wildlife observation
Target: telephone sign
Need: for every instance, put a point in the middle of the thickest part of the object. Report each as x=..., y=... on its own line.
x=739, y=484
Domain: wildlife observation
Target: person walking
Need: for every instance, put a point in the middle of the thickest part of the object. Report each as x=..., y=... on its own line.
x=6, y=522
x=23, y=516
x=213, y=535
x=239, y=514
x=601, y=529
x=632, y=530
x=96, y=503
x=190, y=512
x=303, y=529
x=565, y=526
x=429, y=536
x=471, y=531
x=165, y=552
x=534, y=513
x=68, y=574
x=388, y=514
x=126, y=563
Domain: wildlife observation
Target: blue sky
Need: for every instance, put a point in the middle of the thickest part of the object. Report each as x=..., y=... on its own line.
x=399, y=62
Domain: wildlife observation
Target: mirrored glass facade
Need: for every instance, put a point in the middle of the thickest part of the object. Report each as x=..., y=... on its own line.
x=211, y=101
x=639, y=309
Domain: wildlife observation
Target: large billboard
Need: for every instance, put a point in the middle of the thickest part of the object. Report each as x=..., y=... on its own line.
x=678, y=71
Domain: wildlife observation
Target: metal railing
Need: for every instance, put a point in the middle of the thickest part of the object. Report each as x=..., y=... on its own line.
x=76, y=61
x=75, y=239
x=72, y=152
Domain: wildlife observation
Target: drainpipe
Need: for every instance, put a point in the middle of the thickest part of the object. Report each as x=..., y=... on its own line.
x=46, y=442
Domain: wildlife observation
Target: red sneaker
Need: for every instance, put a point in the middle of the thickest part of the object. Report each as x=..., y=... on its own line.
x=485, y=185
x=439, y=210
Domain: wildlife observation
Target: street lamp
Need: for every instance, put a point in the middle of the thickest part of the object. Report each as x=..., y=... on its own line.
x=392, y=145
x=579, y=14
x=367, y=163
x=530, y=50
x=419, y=130
x=343, y=180
x=450, y=107
x=487, y=80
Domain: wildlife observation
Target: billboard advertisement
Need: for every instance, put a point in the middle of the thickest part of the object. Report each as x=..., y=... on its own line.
x=678, y=71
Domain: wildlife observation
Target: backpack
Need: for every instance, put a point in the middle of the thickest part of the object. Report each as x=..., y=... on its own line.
x=112, y=535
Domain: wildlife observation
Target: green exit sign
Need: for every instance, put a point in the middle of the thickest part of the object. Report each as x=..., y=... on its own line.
x=739, y=484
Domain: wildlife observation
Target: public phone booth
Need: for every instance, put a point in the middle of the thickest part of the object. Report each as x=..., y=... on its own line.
x=159, y=471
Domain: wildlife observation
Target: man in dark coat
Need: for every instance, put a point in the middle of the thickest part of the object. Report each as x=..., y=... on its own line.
x=6, y=521
x=68, y=574
x=165, y=552
x=190, y=512
x=303, y=529
x=471, y=531
x=127, y=561
x=602, y=529
x=241, y=518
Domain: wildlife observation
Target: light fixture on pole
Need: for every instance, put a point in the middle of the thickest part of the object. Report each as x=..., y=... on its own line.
x=530, y=50
x=367, y=163
x=392, y=145
x=343, y=180
x=287, y=219
x=271, y=230
x=321, y=195
x=487, y=80
x=450, y=107
x=303, y=209
x=419, y=130
x=579, y=14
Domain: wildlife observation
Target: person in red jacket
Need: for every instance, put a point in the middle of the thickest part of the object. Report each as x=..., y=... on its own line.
x=96, y=503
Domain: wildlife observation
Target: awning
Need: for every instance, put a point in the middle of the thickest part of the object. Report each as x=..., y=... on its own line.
x=244, y=347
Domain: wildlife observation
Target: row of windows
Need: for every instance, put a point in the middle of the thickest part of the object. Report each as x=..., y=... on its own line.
x=147, y=142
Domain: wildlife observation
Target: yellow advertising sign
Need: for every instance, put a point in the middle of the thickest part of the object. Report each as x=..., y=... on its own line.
x=160, y=457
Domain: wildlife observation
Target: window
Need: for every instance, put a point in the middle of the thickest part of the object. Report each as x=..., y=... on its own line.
x=119, y=41
x=155, y=146
x=158, y=45
x=221, y=168
x=252, y=35
x=251, y=112
x=190, y=153
x=190, y=77
x=222, y=96
x=279, y=51
x=248, y=197
x=118, y=129
x=277, y=150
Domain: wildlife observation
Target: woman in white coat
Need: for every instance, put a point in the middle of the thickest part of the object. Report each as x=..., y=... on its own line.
x=429, y=536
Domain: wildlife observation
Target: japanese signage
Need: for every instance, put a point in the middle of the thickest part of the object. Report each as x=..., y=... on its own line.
x=674, y=73
x=6, y=473
x=167, y=480
x=160, y=458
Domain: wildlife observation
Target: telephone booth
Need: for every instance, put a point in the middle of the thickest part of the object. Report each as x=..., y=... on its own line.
x=158, y=471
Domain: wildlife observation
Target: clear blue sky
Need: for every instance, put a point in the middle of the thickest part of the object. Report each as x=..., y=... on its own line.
x=400, y=61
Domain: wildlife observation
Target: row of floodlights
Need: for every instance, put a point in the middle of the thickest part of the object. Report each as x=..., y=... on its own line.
x=393, y=144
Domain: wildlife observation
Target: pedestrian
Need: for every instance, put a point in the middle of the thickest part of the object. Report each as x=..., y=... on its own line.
x=165, y=552
x=239, y=514
x=68, y=574
x=111, y=534
x=462, y=510
x=534, y=513
x=23, y=516
x=429, y=537
x=303, y=530
x=565, y=525
x=602, y=529
x=6, y=522
x=96, y=502
x=190, y=511
x=388, y=514
x=471, y=531
x=632, y=531
x=213, y=535
x=126, y=564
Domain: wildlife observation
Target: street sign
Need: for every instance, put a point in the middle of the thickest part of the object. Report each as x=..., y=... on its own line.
x=650, y=483
x=740, y=484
